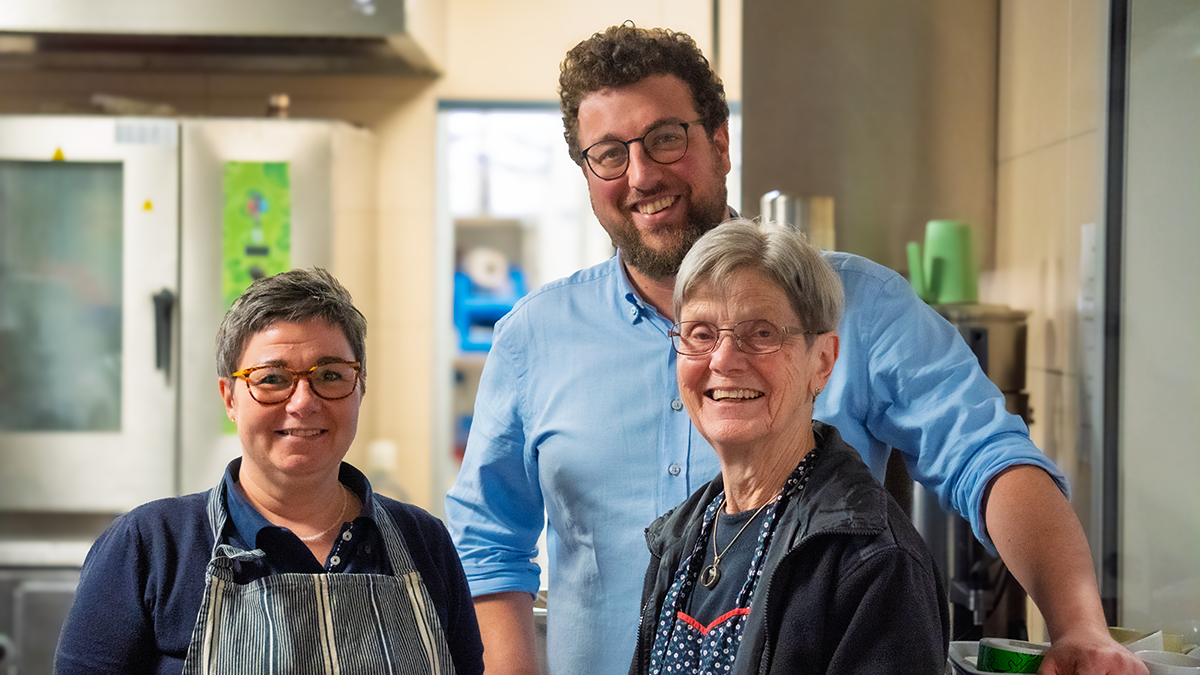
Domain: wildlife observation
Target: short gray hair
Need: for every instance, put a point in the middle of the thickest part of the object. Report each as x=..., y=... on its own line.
x=293, y=297
x=780, y=253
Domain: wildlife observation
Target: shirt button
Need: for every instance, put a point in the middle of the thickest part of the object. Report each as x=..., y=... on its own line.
x=334, y=561
x=677, y=405
x=674, y=469
x=633, y=311
x=346, y=536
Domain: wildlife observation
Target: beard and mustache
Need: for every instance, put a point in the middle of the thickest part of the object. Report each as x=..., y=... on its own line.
x=702, y=215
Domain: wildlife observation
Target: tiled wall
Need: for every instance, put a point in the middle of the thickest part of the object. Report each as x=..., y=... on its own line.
x=1050, y=161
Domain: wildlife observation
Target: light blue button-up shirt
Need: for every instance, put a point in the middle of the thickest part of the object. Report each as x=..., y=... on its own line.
x=579, y=414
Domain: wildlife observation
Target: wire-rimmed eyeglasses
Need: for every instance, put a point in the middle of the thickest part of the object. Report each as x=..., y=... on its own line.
x=276, y=384
x=755, y=336
x=666, y=143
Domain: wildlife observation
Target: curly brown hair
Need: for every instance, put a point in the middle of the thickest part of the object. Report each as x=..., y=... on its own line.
x=624, y=55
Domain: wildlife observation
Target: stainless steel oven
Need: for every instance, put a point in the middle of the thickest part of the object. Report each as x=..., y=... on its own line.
x=89, y=234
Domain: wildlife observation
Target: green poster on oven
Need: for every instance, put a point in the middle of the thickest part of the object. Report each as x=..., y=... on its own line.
x=258, y=225
x=257, y=230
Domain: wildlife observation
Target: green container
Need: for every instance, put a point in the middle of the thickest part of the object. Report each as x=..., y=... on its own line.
x=945, y=271
x=1009, y=656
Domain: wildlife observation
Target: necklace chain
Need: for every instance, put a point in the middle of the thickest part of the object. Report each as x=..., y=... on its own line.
x=711, y=574
x=337, y=522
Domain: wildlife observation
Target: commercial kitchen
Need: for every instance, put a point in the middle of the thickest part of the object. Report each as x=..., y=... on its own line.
x=423, y=148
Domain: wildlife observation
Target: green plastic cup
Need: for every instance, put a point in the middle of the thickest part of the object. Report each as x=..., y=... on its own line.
x=949, y=262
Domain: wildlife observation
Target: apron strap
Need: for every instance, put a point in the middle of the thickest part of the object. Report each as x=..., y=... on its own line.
x=397, y=548
x=223, y=555
x=428, y=628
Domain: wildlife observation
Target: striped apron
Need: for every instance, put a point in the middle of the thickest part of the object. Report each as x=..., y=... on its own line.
x=326, y=624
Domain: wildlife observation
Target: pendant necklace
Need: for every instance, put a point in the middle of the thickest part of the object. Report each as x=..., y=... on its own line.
x=710, y=575
x=337, y=522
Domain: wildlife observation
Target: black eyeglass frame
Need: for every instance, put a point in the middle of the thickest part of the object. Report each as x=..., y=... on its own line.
x=737, y=339
x=687, y=143
x=245, y=373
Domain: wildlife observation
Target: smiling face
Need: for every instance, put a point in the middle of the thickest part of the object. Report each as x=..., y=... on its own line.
x=655, y=212
x=306, y=436
x=740, y=401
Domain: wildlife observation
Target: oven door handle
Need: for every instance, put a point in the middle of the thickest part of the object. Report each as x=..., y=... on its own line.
x=164, y=308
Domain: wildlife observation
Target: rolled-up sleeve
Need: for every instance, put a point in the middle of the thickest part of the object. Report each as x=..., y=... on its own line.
x=910, y=382
x=495, y=509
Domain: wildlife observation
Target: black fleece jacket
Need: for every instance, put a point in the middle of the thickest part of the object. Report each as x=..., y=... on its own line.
x=848, y=585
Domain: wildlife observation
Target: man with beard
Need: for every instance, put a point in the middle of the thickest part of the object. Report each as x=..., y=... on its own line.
x=578, y=411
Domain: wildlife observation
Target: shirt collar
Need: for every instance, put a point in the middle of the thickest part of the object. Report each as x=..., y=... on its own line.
x=637, y=307
x=248, y=522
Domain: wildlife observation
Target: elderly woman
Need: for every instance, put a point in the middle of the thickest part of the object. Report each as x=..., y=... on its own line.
x=290, y=564
x=793, y=559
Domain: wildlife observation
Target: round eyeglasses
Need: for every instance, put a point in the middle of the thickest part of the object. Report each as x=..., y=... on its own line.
x=275, y=384
x=666, y=144
x=756, y=336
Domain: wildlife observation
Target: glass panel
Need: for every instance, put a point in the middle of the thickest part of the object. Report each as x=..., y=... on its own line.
x=60, y=296
x=1158, y=534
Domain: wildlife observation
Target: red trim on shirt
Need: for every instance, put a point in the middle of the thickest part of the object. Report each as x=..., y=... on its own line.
x=704, y=629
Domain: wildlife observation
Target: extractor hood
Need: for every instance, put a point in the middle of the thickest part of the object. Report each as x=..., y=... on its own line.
x=365, y=36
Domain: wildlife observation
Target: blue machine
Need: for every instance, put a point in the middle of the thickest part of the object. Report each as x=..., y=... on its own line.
x=477, y=308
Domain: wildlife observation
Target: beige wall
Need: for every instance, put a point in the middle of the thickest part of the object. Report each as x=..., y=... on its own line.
x=1049, y=185
x=888, y=108
x=1050, y=159
x=496, y=51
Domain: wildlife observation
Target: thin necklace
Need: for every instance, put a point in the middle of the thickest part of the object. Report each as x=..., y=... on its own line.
x=710, y=575
x=337, y=522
